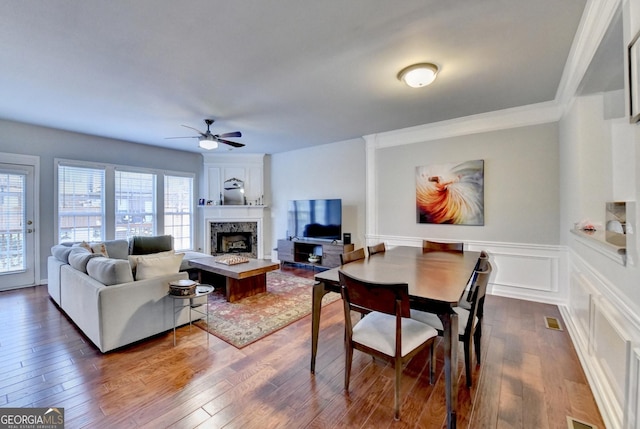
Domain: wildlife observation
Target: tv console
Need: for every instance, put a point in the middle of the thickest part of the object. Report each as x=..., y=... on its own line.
x=298, y=251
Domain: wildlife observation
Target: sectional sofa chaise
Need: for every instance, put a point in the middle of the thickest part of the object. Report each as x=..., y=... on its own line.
x=116, y=291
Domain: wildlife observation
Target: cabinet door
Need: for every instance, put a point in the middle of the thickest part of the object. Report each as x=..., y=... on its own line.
x=285, y=250
x=214, y=182
x=253, y=187
x=331, y=255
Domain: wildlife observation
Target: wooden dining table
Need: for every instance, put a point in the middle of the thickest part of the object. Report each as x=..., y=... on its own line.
x=436, y=279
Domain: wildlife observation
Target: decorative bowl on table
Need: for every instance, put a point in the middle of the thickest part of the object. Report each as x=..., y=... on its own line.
x=182, y=287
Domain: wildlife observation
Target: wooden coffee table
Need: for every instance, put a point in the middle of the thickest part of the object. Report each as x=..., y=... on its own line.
x=242, y=280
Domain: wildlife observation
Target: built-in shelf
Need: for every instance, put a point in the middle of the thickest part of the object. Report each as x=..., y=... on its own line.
x=607, y=243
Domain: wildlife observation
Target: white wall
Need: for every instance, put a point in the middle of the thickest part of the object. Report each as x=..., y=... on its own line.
x=335, y=170
x=521, y=189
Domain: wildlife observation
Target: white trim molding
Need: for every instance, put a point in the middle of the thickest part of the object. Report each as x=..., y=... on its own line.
x=606, y=335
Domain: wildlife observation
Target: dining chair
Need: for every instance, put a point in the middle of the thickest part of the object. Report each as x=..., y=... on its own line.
x=469, y=324
x=483, y=259
x=386, y=331
x=376, y=248
x=483, y=262
x=428, y=245
x=354, y=255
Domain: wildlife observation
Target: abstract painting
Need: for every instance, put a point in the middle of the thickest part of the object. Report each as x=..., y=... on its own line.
x=451, y=193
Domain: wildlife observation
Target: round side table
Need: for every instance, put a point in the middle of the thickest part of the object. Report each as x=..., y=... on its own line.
x=201, y=290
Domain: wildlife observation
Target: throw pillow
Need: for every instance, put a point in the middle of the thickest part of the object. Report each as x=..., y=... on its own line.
x=100, y=249
x=118, y=249
x=79, y=260
x=149, y=268
x=133, y=259
x=62, y=252
x=86, y=245
x=140, y=245
x=109, y=271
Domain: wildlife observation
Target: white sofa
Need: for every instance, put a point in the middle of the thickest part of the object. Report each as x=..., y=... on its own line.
x=102, y=298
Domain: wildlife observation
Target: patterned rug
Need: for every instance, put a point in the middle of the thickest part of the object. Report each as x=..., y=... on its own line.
x=288, y=299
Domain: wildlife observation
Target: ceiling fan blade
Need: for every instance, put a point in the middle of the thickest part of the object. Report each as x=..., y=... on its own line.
x=232, y=134
x=196, y=130
x=230, y=143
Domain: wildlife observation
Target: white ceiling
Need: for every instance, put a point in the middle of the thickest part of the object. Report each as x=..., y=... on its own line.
x=288, y=74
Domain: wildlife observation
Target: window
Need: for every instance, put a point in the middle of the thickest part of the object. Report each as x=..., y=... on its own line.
x=178, y=210
x=80, y=204
x=105, y=202
x=135, y=204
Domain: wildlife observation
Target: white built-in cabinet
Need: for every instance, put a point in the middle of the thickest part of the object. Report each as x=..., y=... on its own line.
x=220, y=168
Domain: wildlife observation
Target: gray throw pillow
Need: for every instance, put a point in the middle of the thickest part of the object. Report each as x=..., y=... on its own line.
x=79, y=260
x=62, y=251
x=117, y=249
x=140, y=245
x=109, y=271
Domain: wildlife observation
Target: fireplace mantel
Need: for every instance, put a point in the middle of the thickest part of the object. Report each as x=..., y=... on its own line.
x=231, y=207
x=248, y=168
x=222, y=214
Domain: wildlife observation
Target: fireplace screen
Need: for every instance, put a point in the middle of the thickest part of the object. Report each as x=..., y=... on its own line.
x=234, y=242
x=234, y=237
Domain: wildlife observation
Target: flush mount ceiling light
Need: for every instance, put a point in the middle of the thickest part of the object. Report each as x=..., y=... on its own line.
x=418, y=75
x=208, y=144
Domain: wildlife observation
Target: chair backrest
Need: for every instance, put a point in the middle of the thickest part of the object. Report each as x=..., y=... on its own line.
x=476, y=294
x=483, y=260
x=354, y=255
x=365, y=296
x=428, y=245
x=481, y=265
x=376, y=248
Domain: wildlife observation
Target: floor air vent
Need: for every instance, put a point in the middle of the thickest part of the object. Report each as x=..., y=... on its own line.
x=552, y=323
x=577, y=424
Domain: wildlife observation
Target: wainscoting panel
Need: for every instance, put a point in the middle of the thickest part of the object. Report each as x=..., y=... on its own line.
x=581, y=294
x=524, y=271
x=610, y=348
x=605, y=333
x=633, y=409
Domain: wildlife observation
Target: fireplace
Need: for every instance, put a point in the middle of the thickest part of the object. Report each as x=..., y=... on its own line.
x=237, y=237
x=234, y=242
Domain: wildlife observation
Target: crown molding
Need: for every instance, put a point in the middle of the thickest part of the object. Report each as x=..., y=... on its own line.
x=533, y=114
x=596, y=19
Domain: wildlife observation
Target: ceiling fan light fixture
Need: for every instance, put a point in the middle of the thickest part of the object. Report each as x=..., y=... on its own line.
x=418, y=75
x=208, y=144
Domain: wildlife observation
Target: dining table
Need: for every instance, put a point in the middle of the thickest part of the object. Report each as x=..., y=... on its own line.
x=436, y=280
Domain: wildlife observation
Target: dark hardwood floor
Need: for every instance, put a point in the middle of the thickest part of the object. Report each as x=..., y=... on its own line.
x=530, y=376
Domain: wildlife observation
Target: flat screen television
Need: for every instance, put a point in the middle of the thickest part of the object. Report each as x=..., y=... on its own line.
x=317, y=219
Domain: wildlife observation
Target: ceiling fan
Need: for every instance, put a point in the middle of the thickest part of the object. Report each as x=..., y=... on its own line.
x=208, y=140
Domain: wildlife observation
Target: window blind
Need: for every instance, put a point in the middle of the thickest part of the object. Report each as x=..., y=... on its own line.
x=80, y=203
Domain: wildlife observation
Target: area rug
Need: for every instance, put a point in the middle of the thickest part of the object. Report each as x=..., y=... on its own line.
x=240, y=323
